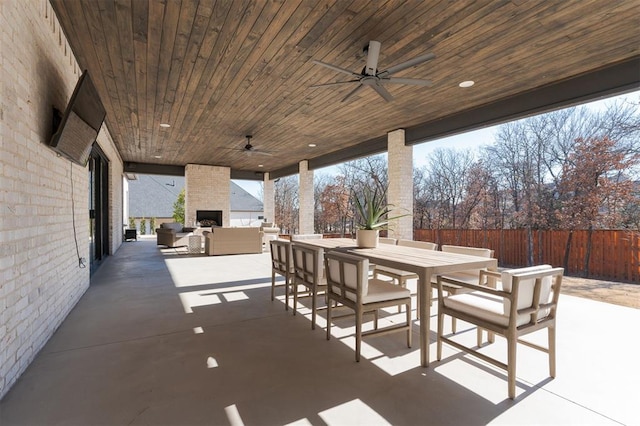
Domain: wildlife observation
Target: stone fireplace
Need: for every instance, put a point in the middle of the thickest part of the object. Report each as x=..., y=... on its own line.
x=207, y=218
x=207, y=189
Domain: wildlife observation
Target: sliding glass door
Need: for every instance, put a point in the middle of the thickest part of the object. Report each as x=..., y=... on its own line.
x=98, y=208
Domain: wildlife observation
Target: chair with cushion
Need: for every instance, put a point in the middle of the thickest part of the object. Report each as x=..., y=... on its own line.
x=471, y=276
x=387, y=240
x=300, y=237
x=348, y=283
x=281, y=264
x=172, y=234
x=526, y=303
x=308, y=271
x=270, y=232
x=418, y=244
x=399, y=275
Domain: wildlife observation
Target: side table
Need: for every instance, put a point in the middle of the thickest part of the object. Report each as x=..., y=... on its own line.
x=195, y=244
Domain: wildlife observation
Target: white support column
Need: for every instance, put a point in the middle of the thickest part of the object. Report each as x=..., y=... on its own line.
x=400, y=194
x=207, y=188
x=305, y=198
x=268, y=202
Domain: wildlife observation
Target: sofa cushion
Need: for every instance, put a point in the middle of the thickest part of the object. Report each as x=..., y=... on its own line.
x=526, y=288
x=234, y=241
x=481, y=305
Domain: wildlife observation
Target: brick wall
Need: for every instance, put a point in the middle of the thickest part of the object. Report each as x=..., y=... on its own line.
x=269, y=199
x=207, y=188
x=400, y=193
x=306, y=199
x=40, y=278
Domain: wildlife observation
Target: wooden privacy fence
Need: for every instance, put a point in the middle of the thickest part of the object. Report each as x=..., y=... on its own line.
x=615, y=254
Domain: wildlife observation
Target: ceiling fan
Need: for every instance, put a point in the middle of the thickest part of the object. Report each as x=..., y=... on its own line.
x=370, y=76
x=250, y=149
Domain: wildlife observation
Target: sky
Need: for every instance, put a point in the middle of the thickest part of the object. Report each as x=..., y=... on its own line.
x=469, y=140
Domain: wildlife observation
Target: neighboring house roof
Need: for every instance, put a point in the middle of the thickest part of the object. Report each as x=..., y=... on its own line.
x=242, y=201
x=154, y=195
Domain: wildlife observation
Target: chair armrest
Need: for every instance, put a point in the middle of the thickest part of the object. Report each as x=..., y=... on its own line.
x=165, y=231
x=473, y=287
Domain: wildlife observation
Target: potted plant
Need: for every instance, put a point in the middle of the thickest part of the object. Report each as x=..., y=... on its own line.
x=373, y=213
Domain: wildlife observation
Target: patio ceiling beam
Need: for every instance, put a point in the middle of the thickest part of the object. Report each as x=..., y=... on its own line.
x=608, y=81
x=168, y=170
x=153, y=169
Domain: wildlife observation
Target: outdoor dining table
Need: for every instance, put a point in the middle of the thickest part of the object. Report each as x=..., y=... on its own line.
x=424, y=263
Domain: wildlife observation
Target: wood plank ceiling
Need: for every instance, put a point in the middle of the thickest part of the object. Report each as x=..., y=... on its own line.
x=218, y=70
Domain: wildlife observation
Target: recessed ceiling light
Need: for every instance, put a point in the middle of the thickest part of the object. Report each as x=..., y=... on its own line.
x=467, y=83
x=312, y=145
x=260, y=165
x=157, y=156
x=165, y=125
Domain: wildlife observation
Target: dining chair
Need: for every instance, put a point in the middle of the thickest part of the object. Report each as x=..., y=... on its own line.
x=418, y=244
x=281, y=264
x=308, y=271
x=348, y=284
x=386, y=240
x=526, y=303
x=471, y=276
x=398, y=275
x=300, y=237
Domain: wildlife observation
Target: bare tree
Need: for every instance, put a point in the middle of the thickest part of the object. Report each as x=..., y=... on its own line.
x=286, y=204
x=449, y=174
x=365, y=172
x=422, y=199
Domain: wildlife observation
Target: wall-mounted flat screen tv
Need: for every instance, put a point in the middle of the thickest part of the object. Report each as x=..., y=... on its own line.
x=80, y=123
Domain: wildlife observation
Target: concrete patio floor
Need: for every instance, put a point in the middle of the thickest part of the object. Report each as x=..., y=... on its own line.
x=163, y=337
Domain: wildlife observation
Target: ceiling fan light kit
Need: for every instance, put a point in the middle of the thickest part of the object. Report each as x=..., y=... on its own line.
x=374, y=79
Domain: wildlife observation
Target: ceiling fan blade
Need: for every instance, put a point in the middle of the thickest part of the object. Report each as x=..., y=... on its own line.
x=412, y=81
x=353, y=92
x=335, y=83
x=255, y=151
x=382, y=92
x=373, y=53
x=335, y=68
x=410, y=63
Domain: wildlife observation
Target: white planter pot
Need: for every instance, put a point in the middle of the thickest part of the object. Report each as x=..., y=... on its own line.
x=367, y=238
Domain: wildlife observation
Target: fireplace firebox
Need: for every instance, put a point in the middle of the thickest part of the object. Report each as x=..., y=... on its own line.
x=208, y=218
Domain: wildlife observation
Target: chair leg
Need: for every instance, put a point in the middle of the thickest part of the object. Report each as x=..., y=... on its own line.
x=512, y=341
x=329, y=319
x=358, y=333
x=408, y=308
x=375, y=319
x=313, y=308
x=295, y=297
x=453, y=325
x=286, y=292
x=273, y=285
x=403, y=283
x=440, y=331
x=479, y=336
x=418, y=300
x=552, y=351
